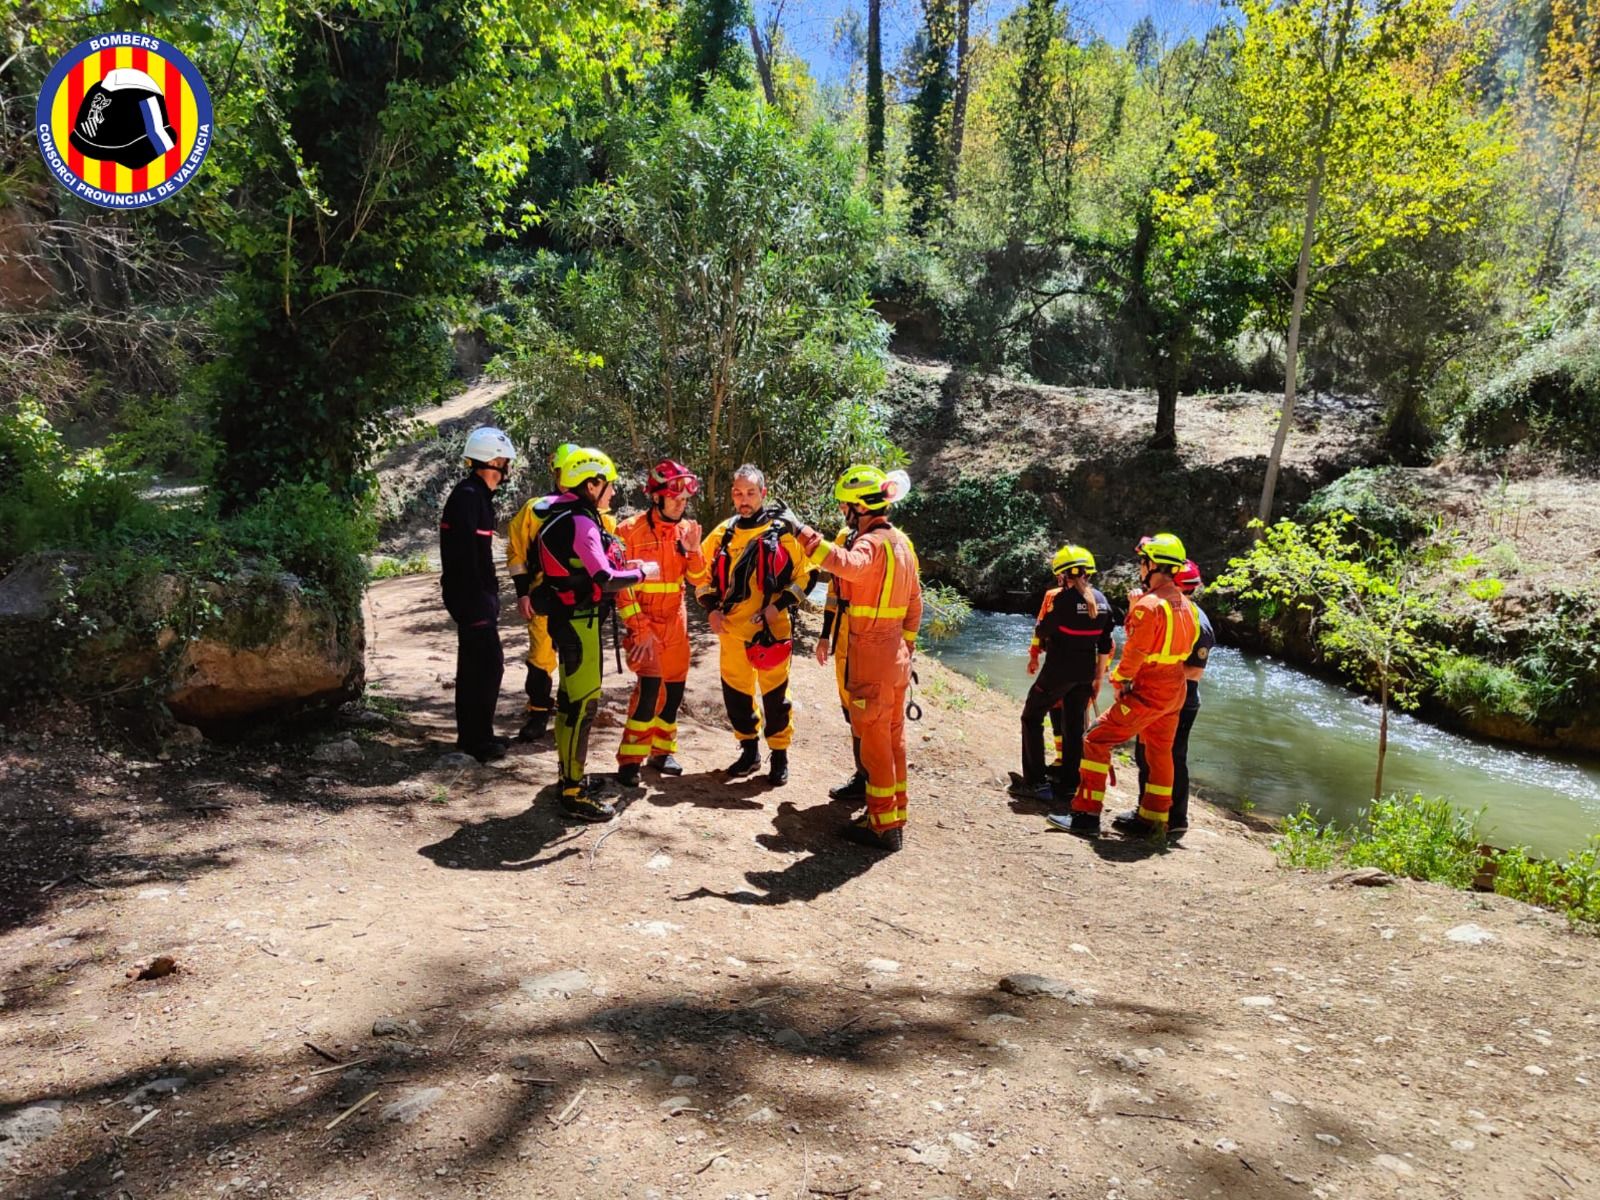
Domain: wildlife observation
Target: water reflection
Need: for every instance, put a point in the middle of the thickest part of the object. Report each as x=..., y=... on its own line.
x=1280, y=737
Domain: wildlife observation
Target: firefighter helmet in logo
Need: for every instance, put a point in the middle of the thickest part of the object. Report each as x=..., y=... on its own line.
x=123, y=119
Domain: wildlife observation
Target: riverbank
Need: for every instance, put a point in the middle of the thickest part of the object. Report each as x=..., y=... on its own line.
x=719, y=999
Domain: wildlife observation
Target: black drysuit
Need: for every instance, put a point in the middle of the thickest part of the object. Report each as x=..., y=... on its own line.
x=472, y=598
x=1072, y=642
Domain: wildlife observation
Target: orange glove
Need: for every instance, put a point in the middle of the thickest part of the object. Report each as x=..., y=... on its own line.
x=1033, y=661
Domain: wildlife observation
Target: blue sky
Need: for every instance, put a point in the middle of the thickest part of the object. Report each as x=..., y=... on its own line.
x=808, y=24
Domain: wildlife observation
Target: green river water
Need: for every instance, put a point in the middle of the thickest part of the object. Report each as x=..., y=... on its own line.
x=1279, y=738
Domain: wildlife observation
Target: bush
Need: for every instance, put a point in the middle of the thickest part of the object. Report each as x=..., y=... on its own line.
x=944, y=611
x=1549, y=397
x=1383, y=501
x=1561, y=660
x=1405, y=836
x=1471, y=685
x=989, y=536
x=1570, y=887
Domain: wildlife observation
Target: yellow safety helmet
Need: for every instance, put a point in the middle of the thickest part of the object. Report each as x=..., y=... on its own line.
x=863, y=485
x=1070, y=558
x=1165, y=550
x=583, y=464
x=560, y=454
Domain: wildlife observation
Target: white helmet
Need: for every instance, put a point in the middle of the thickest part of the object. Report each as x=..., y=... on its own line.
x=486, y=443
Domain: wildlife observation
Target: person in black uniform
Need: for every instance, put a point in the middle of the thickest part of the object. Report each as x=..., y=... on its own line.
x=472, y=592
x=1073, y=633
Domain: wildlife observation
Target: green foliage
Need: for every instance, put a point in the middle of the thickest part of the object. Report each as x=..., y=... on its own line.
x=716, y=312
x=710, y=46
x=1548, y=397
x=397, y=568
x=1561, y=658
x=988, y=536
x=944, y=611
x=928, y=128
x=164, y=432
x=1409, y=837
x=1472, y=685
x=1382, y=500
x=1570, y=886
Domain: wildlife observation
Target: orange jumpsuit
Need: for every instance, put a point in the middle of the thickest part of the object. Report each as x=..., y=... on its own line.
x=881, y=596
x=656, y=607
x=1162, y=630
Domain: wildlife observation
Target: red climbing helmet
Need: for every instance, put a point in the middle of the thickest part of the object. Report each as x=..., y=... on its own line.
x=671, y=478
x=1188, y=576
x=766, y=652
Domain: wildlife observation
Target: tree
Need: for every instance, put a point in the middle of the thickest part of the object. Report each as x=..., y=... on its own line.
x=928, y=129
x=875, y=112
x=717, y=312
x=958, y=110
x=1569, y=90
x=1364, y=609
x=708, y=49
x=386, y=140
x=1351, y=130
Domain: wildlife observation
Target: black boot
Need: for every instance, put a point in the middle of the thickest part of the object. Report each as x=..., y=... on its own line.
x=1083, y=824
x=1132, y=825
x=535, y=726
x=628, y=775
x=748, y=762
x=486, y=753
x=778, y=771
x=852, y=790
x=860, y=832
x=1023, y=790
x=666, y=764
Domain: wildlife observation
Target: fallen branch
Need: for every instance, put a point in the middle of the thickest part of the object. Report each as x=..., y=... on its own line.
x=352, y=1110
x=534, y=1082
x=571, y=1105
x=1560, y=1176
x=594, y=849
x=703, y=1167
x=318, y=1050
x=910, y=933
x=816, y=1191
x=341, y=1067
x=1156, y=1117
x=597, y=1053
x=156, y=1112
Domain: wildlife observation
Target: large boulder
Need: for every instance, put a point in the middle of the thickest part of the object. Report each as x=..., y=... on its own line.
x=274, y=648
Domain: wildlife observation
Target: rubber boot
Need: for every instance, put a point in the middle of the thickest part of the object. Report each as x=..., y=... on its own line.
x=778, y=772
x=666, y=764
x=748, y=762
x=890, y=841
x=628, y=775
x=535, y=726
x=852, y=790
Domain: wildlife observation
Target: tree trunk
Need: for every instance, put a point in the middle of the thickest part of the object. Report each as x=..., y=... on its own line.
x=1302, y=275
x=1166, y=434
x=763, y=62
x=875, y=97
x=1383, y=735
x=1548, y=258
x=958, y=111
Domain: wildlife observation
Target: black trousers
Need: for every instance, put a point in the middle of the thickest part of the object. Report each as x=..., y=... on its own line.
x=480, y=665
x=1073, y=695
x=1179, y=815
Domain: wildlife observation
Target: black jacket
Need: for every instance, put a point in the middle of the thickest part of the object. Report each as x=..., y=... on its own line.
x=1073, y=641
x=466, y=554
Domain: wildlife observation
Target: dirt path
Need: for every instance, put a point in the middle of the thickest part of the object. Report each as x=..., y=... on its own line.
x=714, y=998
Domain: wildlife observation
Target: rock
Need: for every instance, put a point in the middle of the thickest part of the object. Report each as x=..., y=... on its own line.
x=791, y=1039
x=1285, y=1098
x=684, y=1081
x=159, y=1087
x=454, y=761
x=674, y=1103
x=1004, y=1019
x=184, y=737
x=345, y=750
x=28, y=1127
x=274, y=648
x=1536, y=1071
x=388, y=1027
x=1043, y=985
x=1257, y=1001
x=963, y=1142
x=659, y=862
x=929, y=1154
x=1469, y=935
x=411, y=1106
x=1361, y=877
x=1397, y=1166
x=1463, y=1144
x=1225, y=1145
x=1330, y=1139
x=883, y=966
x=658, y=928
x=761, y=1116
x=363, y=718
x=557, y=985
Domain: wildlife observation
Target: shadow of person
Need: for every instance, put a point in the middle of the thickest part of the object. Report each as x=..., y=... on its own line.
x=508, y=843
x=706, y=789
x=831, y=864
x=1113, y=848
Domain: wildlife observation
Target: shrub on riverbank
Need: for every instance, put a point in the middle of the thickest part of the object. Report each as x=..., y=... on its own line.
x=1416, y=838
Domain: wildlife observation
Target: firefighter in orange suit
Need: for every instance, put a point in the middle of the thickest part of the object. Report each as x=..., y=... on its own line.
x=1151, y=688
x=881, y=597
x=658, y=630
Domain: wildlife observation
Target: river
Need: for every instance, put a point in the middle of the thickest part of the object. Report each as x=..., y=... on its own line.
x=1278, y=737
